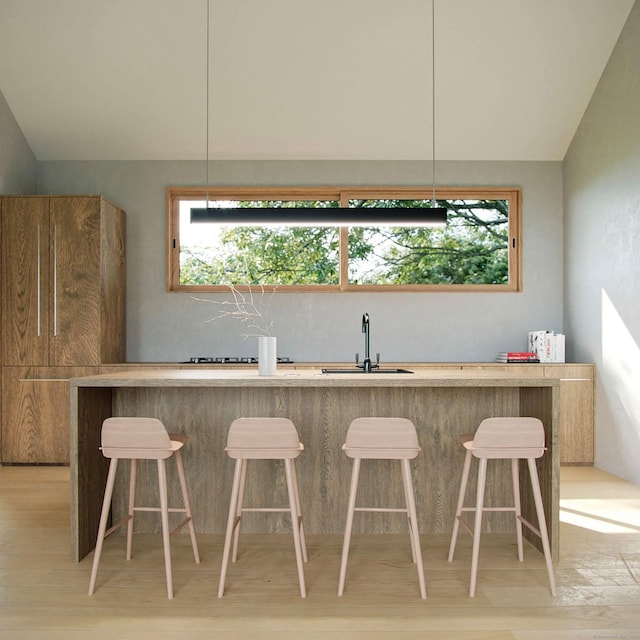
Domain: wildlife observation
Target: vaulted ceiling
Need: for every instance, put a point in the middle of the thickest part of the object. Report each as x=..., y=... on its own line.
x=303, y=79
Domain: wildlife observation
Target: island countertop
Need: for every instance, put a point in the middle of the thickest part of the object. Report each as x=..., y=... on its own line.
x=202, y=403
x=205, y=377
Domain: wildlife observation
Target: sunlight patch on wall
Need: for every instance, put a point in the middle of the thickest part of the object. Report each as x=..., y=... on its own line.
x=620, y=361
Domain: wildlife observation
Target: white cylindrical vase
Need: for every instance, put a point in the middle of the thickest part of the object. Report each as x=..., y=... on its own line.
x=267, y=358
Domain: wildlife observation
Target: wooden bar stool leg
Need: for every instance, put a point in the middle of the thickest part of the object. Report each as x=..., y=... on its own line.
x=187, y=505
x=164, y=515
x=303, y=541
x=477, y=525
x=515, y=475
x=231, y=522
x=133, y=475
x=349, y=525
x=239, y=504
x=104, y=518
x=461, y=495
x=413, y=525
x=407, y=489
x=289, y=472
x=542, y=522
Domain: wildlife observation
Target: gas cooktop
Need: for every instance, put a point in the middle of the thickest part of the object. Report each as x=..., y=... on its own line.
x=230, y=360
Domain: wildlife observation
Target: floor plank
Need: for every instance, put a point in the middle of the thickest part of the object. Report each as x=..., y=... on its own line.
x=44, y=595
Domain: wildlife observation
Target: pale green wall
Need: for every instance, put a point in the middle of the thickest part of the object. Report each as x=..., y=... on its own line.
x=602, y=251
x=165, y=326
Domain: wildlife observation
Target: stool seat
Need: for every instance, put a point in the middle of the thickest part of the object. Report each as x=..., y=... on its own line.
x=139, y=438
x=503, y=438
x=263, y=438
x=375, y=438
x=182, y=438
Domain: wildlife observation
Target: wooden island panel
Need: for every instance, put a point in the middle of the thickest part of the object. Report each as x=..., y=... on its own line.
x=203, y=404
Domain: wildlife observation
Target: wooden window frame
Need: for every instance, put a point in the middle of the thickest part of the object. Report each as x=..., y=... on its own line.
x=343, y=194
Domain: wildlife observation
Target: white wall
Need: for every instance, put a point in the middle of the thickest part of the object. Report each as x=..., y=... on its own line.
x=18, y=168
x=165, y=326
x=602, y=251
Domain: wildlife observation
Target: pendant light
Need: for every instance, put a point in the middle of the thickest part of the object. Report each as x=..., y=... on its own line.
x=311, y=216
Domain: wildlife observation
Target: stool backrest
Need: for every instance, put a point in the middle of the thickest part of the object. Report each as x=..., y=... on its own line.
x=381, y=433
x=515, y=434
x=142, y=438
x=263, y=433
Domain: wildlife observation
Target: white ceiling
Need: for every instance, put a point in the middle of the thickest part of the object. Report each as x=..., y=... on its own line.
x=303, y=79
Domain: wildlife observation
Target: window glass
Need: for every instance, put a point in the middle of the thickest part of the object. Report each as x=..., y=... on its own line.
x=471, y=249
x=218, y=254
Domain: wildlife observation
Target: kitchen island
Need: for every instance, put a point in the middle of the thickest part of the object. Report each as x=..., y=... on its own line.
x=202, y=403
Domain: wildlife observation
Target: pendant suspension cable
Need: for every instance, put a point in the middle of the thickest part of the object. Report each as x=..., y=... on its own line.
x=206, y=204
x=433, y=102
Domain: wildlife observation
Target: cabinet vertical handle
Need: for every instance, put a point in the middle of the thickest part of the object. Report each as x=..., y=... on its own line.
x=55, y=279
x=38, y=280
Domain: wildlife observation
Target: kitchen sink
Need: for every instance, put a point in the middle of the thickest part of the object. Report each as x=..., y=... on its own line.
x=359, y=370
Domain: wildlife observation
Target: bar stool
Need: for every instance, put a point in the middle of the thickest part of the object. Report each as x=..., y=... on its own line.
x=503, y=439
x=263, y=439
x=142, y=439
x=383, y=439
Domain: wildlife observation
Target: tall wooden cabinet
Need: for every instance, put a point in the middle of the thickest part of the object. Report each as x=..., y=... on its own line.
x=63, y=312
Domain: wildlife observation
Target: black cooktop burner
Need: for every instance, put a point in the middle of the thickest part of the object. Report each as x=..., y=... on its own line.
x=230, y=360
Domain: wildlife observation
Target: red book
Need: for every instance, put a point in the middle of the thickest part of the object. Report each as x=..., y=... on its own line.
x=517, y=356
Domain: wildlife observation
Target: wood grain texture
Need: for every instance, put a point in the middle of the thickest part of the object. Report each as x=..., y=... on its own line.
x=75, y=299
x=112, y=283
x=25, y=281
x=44, y=595
x=89, y=407
x=442, y=406
x=63, y=305
x=70, y=310
x=35, y=413
x=89, y=262
x=577, y=382
x=577, y=414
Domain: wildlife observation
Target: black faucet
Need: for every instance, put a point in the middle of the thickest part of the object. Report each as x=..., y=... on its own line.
x=367, y=365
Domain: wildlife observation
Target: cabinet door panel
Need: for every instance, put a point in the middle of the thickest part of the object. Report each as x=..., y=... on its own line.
x=35, y=414
x=75, y=294
x=25, y=281
x=577, y=413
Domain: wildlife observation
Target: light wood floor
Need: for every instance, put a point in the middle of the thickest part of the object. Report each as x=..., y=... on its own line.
x=44, y=595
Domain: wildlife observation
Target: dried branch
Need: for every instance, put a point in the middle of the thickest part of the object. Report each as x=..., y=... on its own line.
x=249, y=309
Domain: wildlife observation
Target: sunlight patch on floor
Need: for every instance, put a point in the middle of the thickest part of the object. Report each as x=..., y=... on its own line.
x=603, y=516
x=606, y=505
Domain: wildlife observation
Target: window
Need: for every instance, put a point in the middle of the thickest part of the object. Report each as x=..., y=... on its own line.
x=478, y=249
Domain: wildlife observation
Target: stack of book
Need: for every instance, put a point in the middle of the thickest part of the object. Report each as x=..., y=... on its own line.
x=517, y=356
x=547, y=345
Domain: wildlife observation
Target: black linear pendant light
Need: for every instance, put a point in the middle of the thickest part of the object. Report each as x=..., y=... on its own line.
x=316, y=217
x=311, y=216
